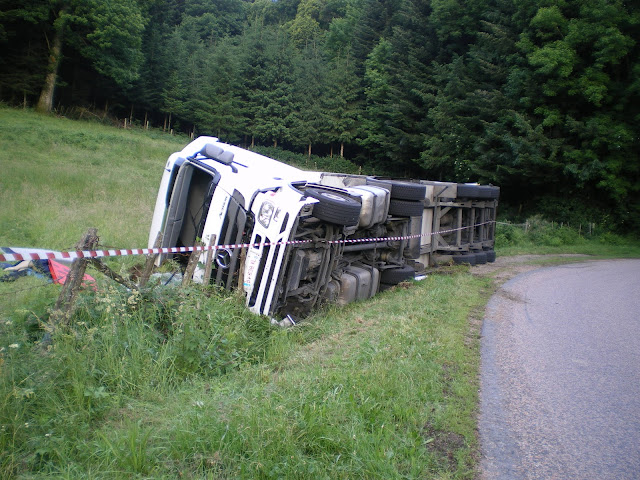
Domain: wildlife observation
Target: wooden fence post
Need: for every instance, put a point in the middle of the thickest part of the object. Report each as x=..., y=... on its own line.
x=243, y=261
x=101, y=267
x=209, y=263
x=191, y=266
x=148, y=266
x=63, y=308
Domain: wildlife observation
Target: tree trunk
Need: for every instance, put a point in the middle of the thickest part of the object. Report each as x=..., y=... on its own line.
x=309, y=150
x=342, y=149
x=45, y=103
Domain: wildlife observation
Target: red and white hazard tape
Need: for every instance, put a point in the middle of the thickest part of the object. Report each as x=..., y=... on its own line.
x=40, y=255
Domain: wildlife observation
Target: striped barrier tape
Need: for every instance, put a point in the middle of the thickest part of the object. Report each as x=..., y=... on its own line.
x=53, y=255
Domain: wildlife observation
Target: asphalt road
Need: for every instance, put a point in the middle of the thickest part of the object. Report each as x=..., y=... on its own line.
x=560, y=374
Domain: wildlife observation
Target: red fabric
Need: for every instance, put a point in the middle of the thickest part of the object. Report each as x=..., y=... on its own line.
x=60, y=271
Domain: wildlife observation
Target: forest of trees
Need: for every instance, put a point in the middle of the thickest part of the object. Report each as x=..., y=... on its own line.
x=540, y=97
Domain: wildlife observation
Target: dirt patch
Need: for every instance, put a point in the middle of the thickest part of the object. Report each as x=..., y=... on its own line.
x=505, y=268
x=443, y=444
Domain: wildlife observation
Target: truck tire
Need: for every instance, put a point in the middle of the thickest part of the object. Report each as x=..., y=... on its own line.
x=469, y=258
x=400, y=190
x=335, y=207
x=405, y=208
x=376, y=182
x=481, y=257
x=486, y=192
x=407, y=191
x=395, y=275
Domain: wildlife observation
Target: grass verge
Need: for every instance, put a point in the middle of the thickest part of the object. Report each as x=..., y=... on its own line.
x=546, y=238
x=201, y=389
x=377, y=395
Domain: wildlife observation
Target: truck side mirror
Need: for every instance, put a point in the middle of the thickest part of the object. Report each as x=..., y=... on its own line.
x=211, y=151
x=215, y=152
x=225, y=157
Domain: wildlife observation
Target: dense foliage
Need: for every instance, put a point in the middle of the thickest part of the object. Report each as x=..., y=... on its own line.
x=540, y=97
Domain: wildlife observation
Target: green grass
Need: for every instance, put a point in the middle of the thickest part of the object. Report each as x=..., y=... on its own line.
x=381, y=389
x=188, y=384
x=60, y=177
x=547, y=238
x=378, y=395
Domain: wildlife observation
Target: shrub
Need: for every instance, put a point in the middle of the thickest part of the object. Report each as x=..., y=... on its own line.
x=537, y=231
x=542, y=232
x=120, y=344
x=509, y=235
x=609, y=238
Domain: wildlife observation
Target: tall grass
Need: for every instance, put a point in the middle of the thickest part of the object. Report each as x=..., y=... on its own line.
x=541, y=236
x=122, y=346
x=189, y=384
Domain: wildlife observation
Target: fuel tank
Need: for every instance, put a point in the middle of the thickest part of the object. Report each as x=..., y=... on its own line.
x=358, y=282
x=375, y=204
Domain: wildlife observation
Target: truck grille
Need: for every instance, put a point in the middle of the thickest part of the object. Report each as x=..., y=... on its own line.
x=232, y=233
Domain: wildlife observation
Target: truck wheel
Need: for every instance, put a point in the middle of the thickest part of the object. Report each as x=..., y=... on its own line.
x=335, y=207
x=481, y=257
x=405, y=208
x=469, y=258
x=395, y=275
x=400, y=190
x=466, y=190
x=384, y=287
x=407, y=191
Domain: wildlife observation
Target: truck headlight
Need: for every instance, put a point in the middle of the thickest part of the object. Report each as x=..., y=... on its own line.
x=266, y=212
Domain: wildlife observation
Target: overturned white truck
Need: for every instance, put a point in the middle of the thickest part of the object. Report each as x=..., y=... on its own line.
x=313, y=237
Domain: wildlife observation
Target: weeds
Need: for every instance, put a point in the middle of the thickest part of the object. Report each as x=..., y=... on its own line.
x=121, y=345
x=541, y=236
x=174, y=382
x=128, y=453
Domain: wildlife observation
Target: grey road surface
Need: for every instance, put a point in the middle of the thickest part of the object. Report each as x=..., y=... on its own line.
x=560, y=374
